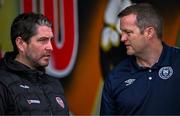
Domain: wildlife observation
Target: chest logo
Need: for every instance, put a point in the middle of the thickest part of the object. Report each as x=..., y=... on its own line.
x=33, y=101
x=24, y=86
x=60, y=101
x=165, y=72
x=129, y=81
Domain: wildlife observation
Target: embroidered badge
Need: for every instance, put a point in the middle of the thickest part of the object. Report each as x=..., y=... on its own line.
x=60, y=101
x=165, y=72
x=129, y=81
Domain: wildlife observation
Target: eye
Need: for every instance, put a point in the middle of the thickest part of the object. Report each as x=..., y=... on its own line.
x=127, y=32
x=52, y=39
x=43, y=39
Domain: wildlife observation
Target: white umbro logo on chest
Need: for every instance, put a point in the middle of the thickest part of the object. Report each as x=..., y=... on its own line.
x=129, y=81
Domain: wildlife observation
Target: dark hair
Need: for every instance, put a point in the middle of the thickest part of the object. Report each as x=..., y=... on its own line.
x=25, y=26
x=146, y=15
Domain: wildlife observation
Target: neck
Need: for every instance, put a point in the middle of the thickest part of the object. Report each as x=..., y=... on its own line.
x=23, y=61
x=147, y=63
x=150, y=57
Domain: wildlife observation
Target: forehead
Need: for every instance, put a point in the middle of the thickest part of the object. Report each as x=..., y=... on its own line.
x=129, y=19
x=128, y=22
x=44, y=30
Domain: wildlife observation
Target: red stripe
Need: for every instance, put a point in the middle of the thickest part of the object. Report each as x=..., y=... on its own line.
x=48, y=9
x=58, y=15
x=63, y=56
x=27, y=6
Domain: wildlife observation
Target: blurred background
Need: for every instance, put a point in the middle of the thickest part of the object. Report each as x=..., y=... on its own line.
x=86, y=46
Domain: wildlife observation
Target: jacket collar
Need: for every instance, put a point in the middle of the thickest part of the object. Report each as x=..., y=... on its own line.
x=8, y=63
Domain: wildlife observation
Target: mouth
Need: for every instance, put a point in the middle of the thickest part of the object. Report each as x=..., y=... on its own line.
x=127, y=45
x=46, y=57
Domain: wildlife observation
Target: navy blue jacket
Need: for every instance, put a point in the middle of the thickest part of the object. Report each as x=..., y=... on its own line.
x=131, y=89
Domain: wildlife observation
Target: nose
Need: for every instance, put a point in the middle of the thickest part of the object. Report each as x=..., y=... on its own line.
x=49, y=46
x=123, y=37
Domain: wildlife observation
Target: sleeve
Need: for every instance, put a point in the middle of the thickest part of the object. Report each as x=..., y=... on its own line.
x=3, y=96
x=107, y=103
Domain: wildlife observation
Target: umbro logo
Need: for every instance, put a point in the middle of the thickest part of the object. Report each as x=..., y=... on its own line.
x=129, y=81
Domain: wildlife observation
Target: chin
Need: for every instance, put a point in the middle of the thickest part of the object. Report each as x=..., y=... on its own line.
x=44, y=64
x=130, y=53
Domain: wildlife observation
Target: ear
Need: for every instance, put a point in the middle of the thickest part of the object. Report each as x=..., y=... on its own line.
x=21, y=44
x=148, y=32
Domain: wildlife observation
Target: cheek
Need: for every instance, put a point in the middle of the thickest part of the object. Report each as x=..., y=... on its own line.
x=36, y=48
x=137, y=42
x=34, y=51
x=141, y=44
